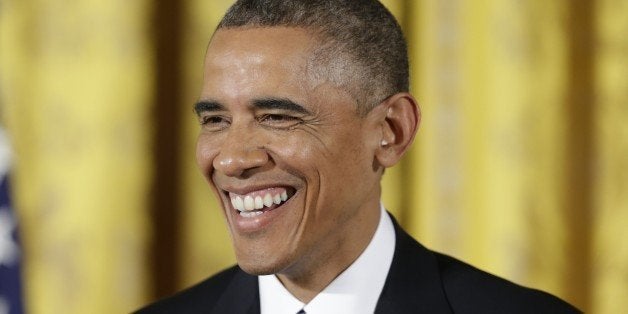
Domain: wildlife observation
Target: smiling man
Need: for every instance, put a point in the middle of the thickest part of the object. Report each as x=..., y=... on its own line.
x=304, y=104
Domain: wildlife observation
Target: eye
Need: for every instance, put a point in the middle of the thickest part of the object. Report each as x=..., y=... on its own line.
x=276, y=117
x=213, y=122
x=278, y=120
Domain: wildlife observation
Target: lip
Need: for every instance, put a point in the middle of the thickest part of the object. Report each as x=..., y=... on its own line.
x=251, y=225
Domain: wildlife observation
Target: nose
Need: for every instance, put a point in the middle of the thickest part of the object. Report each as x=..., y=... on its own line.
x=240, y=153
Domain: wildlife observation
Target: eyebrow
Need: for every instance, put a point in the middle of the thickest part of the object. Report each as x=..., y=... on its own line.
x=207, y=105
x=279, y=103
x=265, y=103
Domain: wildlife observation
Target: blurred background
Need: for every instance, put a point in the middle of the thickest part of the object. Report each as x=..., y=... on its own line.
x=520, y=166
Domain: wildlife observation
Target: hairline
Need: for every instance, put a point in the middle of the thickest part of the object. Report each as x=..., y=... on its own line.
x=322, y=46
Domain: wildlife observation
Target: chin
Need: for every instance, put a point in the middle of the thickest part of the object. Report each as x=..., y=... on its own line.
x=262, y=262
x=259, y=268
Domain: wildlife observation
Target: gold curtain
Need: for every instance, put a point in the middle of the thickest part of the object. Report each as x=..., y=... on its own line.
x=487, y=180
x=75, y=89
x=519, y=166
x=609, y=254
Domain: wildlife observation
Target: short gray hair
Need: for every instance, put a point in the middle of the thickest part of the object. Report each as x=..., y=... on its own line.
x=361, y=44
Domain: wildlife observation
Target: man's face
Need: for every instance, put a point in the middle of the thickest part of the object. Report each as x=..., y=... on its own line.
x=287, y=154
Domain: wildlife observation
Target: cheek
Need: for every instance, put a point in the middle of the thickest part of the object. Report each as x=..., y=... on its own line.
x=300, y=155
x=348, y=164
x=205, y=154
x=333, y=153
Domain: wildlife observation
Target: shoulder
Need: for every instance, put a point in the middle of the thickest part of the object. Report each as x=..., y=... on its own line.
x=471, y=290
x=199, y=298
x=458, y=287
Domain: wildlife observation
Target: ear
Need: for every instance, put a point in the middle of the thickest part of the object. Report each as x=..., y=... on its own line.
x=400, y=122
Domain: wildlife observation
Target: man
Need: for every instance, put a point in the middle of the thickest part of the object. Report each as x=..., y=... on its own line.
x=304, y=104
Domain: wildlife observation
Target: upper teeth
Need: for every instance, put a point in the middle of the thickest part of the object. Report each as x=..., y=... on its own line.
x=258, y=200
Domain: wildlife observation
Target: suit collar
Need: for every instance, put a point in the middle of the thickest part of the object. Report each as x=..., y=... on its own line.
x=413, y=284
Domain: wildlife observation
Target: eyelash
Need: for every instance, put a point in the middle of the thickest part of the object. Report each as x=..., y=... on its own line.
x=268, y=118
x=276, y=117
x=207, y=120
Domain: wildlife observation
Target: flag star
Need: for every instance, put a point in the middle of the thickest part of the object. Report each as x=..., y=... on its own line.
x=8, y=248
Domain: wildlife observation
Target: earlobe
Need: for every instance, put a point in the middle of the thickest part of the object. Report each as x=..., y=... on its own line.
x=399, y=126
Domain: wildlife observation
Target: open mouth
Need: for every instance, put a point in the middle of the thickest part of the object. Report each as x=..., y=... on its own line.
x=256, y=203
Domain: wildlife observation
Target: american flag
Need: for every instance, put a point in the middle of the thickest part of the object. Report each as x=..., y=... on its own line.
x=10, y=257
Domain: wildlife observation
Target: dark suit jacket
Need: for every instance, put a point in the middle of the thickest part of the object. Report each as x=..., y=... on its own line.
x=419, y=281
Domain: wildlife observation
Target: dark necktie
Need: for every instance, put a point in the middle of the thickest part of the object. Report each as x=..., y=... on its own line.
x=301, y=312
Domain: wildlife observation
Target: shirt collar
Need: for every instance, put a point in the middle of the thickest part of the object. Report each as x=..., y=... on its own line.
x=356, y=290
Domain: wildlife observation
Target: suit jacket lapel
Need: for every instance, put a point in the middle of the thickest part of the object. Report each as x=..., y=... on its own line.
x=240, y=297
x=413, y=284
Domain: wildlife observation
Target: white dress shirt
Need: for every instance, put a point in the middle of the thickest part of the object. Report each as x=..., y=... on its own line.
x=356, y=290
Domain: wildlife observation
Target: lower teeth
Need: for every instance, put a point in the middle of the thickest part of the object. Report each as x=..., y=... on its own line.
x=250, y=214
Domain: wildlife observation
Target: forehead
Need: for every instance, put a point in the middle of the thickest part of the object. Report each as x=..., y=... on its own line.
x=245, y=61
x=256, y=41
